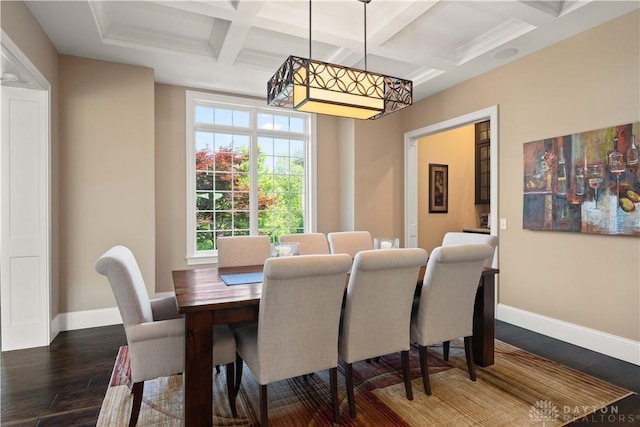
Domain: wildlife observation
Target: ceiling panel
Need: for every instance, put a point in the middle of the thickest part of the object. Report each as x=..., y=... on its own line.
x=235, y=46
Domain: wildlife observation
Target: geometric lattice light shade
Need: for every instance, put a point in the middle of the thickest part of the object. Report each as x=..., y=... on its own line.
x=319, y=87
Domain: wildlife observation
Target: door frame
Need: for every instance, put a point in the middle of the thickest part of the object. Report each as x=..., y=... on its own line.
x=36, y=81
x=411, y=194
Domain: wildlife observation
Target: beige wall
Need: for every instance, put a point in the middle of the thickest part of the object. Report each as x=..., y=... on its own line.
x=23, y=30
x=170, y=185
x=108, y=192
x=106, y=174
x=328, y=179
x=586, y=82
x=379, y=177
x=455, y=148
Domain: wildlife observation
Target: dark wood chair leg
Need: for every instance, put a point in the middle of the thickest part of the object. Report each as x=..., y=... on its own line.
x=468, y=353
x=238, y=378
x=137, y=390
x=406, y=373
x=231, y=388
x=424, y=368
x=445, y=350
x=264, y=418
x=348, y=373
x=333, y=382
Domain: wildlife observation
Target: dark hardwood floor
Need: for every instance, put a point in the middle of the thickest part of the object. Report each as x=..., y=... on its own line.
x=63, y=384
x=623, y=413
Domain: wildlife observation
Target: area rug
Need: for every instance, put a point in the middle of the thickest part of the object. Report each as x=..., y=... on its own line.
x=520, y=389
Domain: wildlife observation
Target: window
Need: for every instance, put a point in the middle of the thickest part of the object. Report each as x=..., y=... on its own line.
x=249, y=171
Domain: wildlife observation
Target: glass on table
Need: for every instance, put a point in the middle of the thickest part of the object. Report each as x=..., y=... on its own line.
x=386, y=243
x=285, y=249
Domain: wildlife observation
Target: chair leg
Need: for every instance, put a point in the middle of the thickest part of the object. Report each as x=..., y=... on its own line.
x=424, y=368
x=406, y=373
x=445, y=350
x=468, y=352
x=264, y=419
x=137, y=390
x=231, y=390
x=348, y=373
x=333, y=382
x=238, y=378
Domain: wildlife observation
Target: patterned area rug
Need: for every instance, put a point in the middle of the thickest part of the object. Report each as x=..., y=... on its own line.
x=520, y=389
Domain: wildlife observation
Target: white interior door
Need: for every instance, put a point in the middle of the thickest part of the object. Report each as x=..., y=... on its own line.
x=25, y=217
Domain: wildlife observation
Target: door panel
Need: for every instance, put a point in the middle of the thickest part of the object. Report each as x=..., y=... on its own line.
x=24, y=266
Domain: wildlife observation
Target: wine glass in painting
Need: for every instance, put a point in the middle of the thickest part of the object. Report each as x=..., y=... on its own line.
x=617, y=165
x=595, y=176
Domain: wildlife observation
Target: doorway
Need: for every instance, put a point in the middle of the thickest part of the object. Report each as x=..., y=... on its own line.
x=411, y=168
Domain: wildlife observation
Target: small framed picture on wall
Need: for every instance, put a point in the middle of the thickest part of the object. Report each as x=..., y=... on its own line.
x=438, y=188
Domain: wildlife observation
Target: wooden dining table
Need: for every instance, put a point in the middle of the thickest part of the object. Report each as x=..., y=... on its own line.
x=205, y=300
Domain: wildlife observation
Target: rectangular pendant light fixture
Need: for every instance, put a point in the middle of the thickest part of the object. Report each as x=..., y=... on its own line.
x=320, y=87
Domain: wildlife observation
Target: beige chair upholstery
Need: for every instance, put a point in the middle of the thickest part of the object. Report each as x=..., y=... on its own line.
x=445, y=308
x=310, y=243
x=298, y=322
x=377, y=310
x=460, y=238
x=154, y=328
x=240, y=251
x=349, y=242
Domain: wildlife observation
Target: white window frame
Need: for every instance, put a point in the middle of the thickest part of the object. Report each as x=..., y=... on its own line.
x=195, y=257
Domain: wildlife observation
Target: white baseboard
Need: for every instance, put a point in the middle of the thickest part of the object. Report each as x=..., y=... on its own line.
x=601, y=342
x=90, y=318
x=87, y=319
x=165, y=294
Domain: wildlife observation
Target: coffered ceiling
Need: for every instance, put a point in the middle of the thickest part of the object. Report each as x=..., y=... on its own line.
x=236, y=45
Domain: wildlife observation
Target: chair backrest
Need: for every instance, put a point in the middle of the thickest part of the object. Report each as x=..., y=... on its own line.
x=448, y=293
x=378, y=304
x=299, y=315
x=461, y=238
x=121, y=268
x=349, y=242
x=310, y=243
x=239, y=251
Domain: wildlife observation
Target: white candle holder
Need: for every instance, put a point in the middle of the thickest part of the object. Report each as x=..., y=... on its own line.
x=285, y=249
x=386, y=243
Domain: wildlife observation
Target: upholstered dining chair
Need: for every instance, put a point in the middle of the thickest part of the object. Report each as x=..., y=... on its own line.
x=461, y=238
x=377, y=312
x=445, y=308
x=310, y=243
x=154, y=329
x=240, y=251
x=349, y=242
x=298, y=321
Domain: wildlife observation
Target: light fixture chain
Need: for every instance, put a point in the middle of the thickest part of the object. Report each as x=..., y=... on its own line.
x=365, y=35
x=310, y=57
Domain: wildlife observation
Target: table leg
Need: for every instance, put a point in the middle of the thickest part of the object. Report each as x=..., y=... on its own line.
x=198, y=382
x=484, y=322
